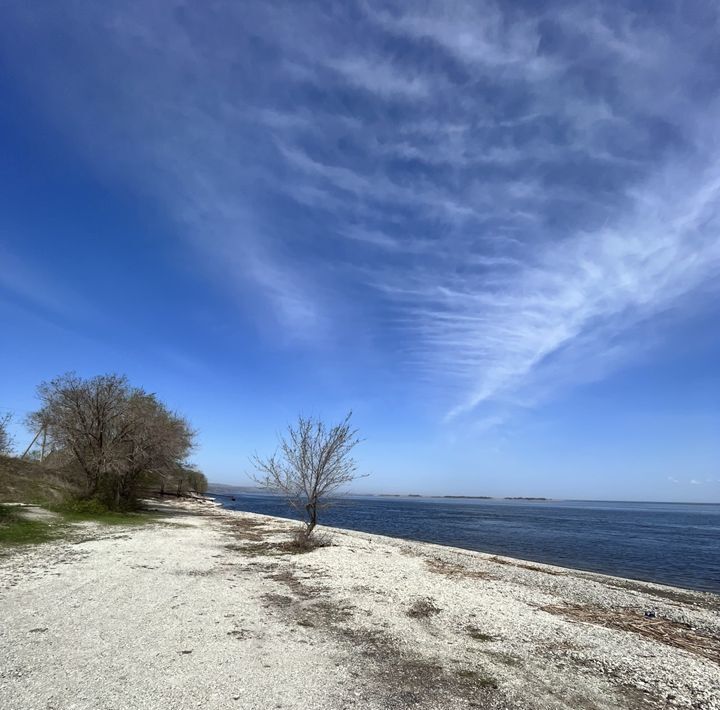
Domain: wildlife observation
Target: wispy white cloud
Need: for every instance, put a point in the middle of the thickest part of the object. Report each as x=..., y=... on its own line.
x=382, y=77
x=663, y=251
x=512, y=191
x=475, y=32
x=39, y=289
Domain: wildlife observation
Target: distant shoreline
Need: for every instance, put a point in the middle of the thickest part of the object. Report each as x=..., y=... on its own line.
x=229, y=489
x=452, y=497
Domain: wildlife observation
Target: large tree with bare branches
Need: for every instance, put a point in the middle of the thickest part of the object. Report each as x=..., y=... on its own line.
x=6, y=440
x=116, y=433
x=311, y=464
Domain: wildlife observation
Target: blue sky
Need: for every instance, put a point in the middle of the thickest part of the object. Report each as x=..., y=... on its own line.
x=489, y=229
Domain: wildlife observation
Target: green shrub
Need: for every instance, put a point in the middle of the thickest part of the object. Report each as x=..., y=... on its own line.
x=77, y=506
x=93, y=510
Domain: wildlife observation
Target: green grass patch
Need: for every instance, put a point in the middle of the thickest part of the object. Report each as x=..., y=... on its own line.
x=16, y=530
x=80, y=511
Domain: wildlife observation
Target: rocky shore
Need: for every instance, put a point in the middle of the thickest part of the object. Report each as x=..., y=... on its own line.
x=214, y=609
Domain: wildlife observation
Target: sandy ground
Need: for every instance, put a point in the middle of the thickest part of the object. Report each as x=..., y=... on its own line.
x=208, y=609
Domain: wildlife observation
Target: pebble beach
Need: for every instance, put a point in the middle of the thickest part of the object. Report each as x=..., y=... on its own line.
x=212, y=608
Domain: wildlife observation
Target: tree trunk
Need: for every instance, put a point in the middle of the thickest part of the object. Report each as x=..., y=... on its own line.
x=92, y=484
x=311, y=509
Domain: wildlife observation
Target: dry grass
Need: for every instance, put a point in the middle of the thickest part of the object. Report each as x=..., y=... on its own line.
x=475, y=679
x=246, y=528
x=325, y=613
x=454, y=571
x=262, y=549
x=23, y=481
x=301, y=543
x=474, y=633
x=310, y=605
x=199, y=572
x=536, y=568
x=520, y=565
x=281, y=600
x=255, y=533
x=666, y=631
x=422, y=609
x=405, y=679
x=500, y=561
x=294, y=584
x=680, y=596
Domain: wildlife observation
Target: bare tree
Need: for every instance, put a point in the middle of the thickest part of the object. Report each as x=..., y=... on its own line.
x=183, y=480
x=312, y=463
x=116, y=433
x=6, y=440
x=158, y=442
x=84, y=419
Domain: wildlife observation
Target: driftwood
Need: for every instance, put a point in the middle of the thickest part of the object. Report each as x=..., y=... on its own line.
x=672, y=633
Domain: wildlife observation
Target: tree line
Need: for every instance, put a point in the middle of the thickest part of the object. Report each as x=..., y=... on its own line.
x=122, y=440
x=119, y=438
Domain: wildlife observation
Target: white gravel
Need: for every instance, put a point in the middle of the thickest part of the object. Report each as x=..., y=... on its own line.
x=205, y=610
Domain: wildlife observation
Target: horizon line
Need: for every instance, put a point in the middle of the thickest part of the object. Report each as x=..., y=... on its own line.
x=538, y=499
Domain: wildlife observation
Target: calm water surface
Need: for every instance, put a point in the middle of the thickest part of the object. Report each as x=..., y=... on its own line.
x=669, y=543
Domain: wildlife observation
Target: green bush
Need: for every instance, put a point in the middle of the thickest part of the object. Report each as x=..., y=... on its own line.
x=77, y=506
x=94, y=510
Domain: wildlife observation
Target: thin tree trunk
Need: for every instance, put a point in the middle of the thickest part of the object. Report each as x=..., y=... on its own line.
x=312, y=518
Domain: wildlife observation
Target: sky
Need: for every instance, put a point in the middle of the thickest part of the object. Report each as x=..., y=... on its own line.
x=489, y=229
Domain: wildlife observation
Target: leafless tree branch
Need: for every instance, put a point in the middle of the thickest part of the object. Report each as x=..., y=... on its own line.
x=6, y=440
x=312, y=462
x=115, y=432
